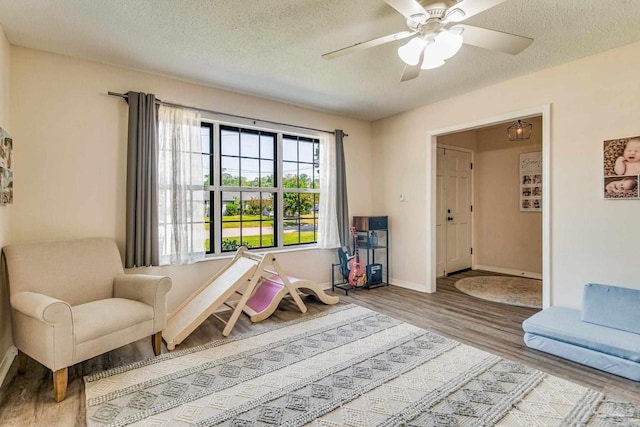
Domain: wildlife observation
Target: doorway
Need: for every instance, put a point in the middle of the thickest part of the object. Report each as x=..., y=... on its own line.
x=454, y=207
x=431, y=263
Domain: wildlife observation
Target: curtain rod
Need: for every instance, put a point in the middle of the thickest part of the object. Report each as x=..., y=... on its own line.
x=171, y=104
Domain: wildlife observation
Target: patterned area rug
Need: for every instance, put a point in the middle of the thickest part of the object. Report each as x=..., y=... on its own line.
x=518, y=291
x=348, y=366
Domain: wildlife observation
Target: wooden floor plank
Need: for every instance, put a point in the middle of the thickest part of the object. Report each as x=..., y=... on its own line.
x=28, y=399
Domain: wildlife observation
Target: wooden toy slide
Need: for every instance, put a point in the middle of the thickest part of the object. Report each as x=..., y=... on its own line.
x=275, y=286
x=264, y=289
x=244, y=269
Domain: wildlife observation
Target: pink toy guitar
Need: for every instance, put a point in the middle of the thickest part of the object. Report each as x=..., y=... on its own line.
x=357, y=275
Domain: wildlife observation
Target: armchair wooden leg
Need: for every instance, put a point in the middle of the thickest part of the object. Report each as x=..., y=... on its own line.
x=22, y=362
x=60, y=378
x=156, y=341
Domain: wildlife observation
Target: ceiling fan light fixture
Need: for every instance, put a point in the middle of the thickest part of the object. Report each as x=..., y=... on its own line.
x=431, y=58
x=447, y=44
x=410, y=52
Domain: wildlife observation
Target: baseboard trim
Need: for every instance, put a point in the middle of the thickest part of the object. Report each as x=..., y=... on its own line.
x=511, y=271
x=7, y=360
x=408, y=285
x=325, y=286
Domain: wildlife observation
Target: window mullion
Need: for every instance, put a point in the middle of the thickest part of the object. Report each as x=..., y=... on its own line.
x=216, y=203
x=278, y=175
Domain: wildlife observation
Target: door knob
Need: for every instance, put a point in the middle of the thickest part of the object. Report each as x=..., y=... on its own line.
x=449, y=218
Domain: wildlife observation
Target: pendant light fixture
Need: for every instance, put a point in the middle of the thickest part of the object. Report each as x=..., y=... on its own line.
x=520, y=131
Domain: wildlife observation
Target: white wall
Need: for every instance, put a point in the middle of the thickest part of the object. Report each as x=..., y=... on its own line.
x=592, y=100
x=5, y=210
x=71, y=151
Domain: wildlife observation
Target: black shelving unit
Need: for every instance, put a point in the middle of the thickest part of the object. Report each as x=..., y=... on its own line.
x=376, y=247
x=374, y=254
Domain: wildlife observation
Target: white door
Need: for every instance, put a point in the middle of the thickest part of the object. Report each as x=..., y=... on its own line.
x=454, y=240
x=441, y=254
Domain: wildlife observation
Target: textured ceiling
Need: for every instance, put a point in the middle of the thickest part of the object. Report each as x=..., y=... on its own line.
x=273, y=48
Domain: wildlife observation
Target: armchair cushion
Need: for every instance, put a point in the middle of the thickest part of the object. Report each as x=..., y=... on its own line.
x=103, y=317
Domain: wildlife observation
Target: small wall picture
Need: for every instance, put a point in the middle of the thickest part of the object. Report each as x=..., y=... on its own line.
x=621, y=187
x=6, y=149
x=6, y=165
x=531, y=182
x=6, y=186
x=621, y=168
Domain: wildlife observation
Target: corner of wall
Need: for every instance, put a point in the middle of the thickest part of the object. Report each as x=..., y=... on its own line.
x=7, y=350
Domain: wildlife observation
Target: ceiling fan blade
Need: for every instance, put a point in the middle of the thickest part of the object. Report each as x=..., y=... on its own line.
x=494, y=40
x=412, y=71
x=407, y=8
x=370, y=43
x=472, y=7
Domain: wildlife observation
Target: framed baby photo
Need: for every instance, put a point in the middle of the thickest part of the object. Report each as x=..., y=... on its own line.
x=621, y=158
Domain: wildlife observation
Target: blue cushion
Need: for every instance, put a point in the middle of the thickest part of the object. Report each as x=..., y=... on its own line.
x=612, y=306
x=564, y=324
x=606, y=362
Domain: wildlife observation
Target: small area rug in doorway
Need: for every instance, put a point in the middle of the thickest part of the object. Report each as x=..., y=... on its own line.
x=519, y=291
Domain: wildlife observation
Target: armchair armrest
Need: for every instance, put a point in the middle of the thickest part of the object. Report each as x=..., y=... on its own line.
x=145, y=288
x=41, y=307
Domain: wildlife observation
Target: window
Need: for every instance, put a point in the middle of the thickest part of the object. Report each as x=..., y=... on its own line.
x=262, y=188
x=301, y=188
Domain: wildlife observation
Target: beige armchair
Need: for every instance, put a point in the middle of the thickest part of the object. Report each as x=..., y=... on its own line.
x=70, y=301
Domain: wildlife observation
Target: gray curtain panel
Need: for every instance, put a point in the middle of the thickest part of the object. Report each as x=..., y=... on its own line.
x=142, y=182
x=342, y=205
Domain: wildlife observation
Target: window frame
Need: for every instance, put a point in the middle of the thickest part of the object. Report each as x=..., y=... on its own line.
x=216, y=189
x=298, y=190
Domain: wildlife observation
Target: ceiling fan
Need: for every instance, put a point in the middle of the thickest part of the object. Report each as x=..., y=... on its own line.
x=436, y=34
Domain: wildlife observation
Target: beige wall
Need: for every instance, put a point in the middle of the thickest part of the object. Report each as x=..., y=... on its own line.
x=467, y=139
x=504, y=237
x=72, y=154
x=591, y=239
x=5, y=210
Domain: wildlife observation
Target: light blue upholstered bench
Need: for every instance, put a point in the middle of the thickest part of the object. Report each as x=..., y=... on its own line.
x=605, y=335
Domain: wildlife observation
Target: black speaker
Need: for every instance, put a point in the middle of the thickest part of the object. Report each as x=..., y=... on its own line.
x=374, y=274
x=366, y=223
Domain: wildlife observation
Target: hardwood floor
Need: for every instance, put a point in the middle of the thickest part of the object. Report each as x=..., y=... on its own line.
x=490, y=326
x=27, y=400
